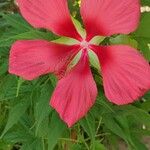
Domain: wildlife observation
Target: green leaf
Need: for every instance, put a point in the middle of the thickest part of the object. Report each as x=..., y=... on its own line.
x=146, y=105
x=112, y=125
x=76, y=147
x=53, y=80
x=20, y=81
x=2, y=4
x=141, y=115
x=16, y=21
x=143, y=30
x=29, y=35
x=34, y=145
x=88, y=124
x=15, y=114
x=145, y=2
x=5, y=146
x=99, y=146
x=124, y=40
x=142, y=35
x=56, y=129
x=7, y=84
x=138, y=145
x=123, y=123
x=143, y=46
x=42, y=109
x=20, y=30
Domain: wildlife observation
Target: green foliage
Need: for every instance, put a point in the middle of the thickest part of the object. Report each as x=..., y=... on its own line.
x=142, y=35
x=27, y=122
x=145, y=2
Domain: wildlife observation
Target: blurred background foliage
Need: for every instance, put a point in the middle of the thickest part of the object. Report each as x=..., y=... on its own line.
x=27, y=122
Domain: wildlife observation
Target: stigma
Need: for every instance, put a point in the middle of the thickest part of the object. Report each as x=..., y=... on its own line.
x=84, y=44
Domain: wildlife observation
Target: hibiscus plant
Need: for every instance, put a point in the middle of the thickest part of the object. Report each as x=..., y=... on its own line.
x=74, y=74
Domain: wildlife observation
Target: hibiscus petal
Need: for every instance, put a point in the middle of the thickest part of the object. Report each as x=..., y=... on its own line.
x=108, y=17
x=75, y=93
x=126, y=74
x=49, y=14
x=30, y=59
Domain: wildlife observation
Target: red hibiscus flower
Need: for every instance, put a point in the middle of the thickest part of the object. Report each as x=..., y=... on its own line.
x=126, y=74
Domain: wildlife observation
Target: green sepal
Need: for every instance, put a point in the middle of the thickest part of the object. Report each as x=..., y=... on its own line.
x=79, y=27
x=97, y=40
x=94, y=60
x=75, y=60
x=66, y=41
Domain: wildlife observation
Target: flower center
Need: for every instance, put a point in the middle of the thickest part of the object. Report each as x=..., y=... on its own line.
x=84, y=44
